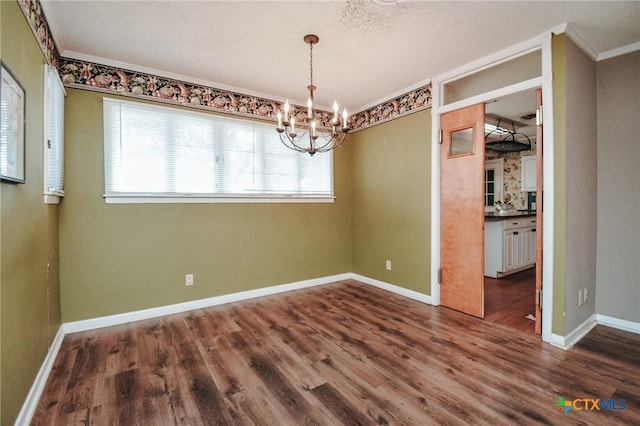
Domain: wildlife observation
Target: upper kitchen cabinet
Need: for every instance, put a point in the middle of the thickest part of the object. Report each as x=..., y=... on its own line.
x=528, y=167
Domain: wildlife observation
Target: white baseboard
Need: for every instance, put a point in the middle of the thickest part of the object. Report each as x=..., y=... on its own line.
x=557, y=341
x=33, y=397
x=420, y=297
x=118, y=319
x=620, y=324
x=568, y=341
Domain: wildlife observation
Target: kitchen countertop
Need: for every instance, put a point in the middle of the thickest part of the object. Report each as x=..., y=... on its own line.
x=494, y=216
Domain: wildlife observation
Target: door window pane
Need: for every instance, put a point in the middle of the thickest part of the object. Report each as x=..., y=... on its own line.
x=461, y=142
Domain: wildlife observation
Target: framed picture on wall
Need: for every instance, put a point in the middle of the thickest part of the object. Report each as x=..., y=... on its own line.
x=12, y=128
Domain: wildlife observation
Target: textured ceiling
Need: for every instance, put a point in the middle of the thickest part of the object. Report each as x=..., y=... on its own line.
x=367, y=51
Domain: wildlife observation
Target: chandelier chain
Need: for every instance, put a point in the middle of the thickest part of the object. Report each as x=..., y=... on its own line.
x=311, y=63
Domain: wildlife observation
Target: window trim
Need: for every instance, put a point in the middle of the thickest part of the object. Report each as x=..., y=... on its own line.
x=215, y=199
x=498, y=166
x=51, y=77
x=199, y=198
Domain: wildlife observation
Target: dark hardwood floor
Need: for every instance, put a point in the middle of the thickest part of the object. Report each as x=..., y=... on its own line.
x=343, y=353
x=508, y=300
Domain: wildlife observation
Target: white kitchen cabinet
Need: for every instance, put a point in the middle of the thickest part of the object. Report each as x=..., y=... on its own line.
x=529, y=235
x=518, y=249
x=509, y=246
x=529, y=168
x=509, y=252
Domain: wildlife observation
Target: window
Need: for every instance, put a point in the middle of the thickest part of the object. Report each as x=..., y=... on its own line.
x=493, y=171
x=53, y=136
x=161, y=154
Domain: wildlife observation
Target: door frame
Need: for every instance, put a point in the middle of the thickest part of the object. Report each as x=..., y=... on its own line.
x=542, y=43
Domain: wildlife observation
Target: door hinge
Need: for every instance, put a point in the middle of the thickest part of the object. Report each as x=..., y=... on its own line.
x=538, y=299
x=539, y=119
x=441, y=136
x=439, y=275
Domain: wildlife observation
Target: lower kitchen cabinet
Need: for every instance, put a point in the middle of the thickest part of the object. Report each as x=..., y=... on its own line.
x=509, y=246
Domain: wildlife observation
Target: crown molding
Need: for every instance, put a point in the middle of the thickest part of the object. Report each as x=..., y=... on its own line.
x=588, y=49
x=582, y=43
x=630, y=48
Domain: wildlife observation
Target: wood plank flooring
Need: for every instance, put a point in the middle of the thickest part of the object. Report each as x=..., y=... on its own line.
x=343, y=353
x=508, y=300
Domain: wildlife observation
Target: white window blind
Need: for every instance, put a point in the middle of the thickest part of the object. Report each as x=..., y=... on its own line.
x=54, y=135
x=155, y=151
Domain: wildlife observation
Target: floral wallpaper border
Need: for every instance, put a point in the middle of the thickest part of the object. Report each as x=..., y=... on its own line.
x=103, y=78
x=408, y=103
x=32, y=10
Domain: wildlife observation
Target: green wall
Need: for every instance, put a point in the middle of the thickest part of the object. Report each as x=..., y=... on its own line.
x=575, y=184
x=560, y=183
x=391, y=214
x=118, y=258
x=30, y=310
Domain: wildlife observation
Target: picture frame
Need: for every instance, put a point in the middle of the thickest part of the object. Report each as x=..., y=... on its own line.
x=12, y=127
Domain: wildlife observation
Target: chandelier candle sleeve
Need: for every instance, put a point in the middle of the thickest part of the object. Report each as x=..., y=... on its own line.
x=345, y=116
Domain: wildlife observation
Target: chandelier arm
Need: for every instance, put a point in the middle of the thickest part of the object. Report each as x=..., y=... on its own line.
x=290, y=142
x=331, y=142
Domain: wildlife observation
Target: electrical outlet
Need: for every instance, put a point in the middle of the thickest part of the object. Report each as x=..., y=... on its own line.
x=585, y=295
x=188, y=279
x=580, y=297
x=388, y=265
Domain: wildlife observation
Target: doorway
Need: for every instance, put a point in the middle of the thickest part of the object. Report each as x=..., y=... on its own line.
x=512, y=276
x=510, y=71
x=506, y=288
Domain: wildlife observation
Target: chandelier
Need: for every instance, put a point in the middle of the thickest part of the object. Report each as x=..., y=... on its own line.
x=319, y=140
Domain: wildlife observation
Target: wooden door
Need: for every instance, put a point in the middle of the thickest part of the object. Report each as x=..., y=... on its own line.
x=539, y=208
x=462, y=210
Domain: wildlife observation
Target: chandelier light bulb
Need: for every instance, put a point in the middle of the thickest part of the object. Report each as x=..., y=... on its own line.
x=286, y=110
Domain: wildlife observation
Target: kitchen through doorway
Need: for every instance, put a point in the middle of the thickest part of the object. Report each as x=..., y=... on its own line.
x=511, y=211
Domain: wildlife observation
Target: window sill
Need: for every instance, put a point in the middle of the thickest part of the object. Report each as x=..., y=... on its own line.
x=53, y=198
x=138, y=199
